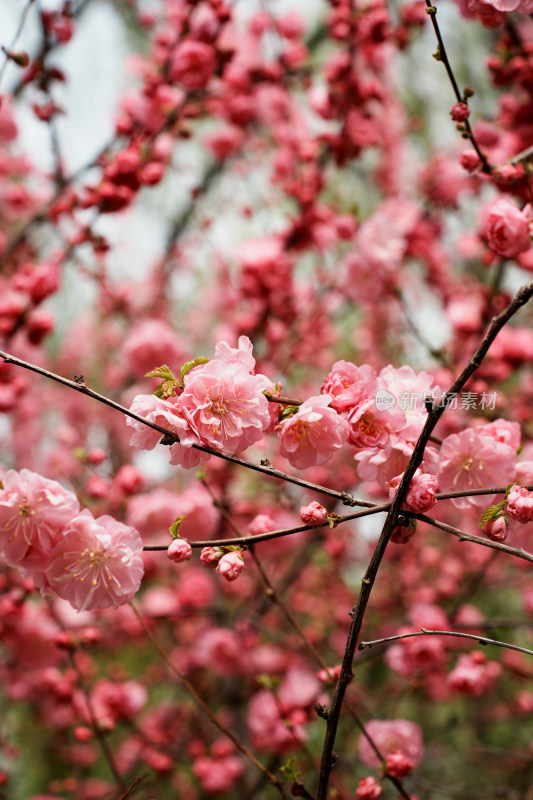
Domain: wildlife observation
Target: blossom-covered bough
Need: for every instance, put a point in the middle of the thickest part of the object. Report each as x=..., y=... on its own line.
x=254, y=544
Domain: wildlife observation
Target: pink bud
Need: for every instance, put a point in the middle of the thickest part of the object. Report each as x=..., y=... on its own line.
x=262, y=523
x=313, y=514
x=368, y=789
x=520, y=504
x=231, y=565
x=496, y=529
x=470, y=161
x=397, y=764
x=179, y=550
x=129, y=479
x=210, y=556
x=460, y=112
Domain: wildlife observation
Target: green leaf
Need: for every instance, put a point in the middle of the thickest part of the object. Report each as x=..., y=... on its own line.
x=187, y=368
x=288, y=411
x=288, y=770
x=492, y=512
x=173, y=530
x=163, y=372
x=272, y=392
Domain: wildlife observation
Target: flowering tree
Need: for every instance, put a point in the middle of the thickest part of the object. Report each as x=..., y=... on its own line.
x=265, y=499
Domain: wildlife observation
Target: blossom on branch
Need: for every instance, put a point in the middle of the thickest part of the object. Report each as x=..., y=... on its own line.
x=96, y=564
x=313, y=434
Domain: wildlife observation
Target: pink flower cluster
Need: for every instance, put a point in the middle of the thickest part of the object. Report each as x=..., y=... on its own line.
x=385, y=414
x=222, y=406
x=92, y=563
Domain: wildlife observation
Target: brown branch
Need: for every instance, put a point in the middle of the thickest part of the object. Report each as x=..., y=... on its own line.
x=248, y=541
x=425, y=632
x=79, y=386
x=519, y=552
x=358, y=611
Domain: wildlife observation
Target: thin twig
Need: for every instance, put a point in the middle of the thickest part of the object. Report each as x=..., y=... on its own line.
x=425, y=632
x=15, y=39
x=443, y=56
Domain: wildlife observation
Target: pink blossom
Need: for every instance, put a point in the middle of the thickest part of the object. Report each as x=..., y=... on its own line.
x=472, y=460
x=507, y=228
x=231, y=565
x=192, y=64
x=179, y=550
x=371, y=428
x=167, y=414
x=391, y=734
x=224, y=405
x=217, y=775
x=348, y=385
x=154, y=409
x=220, y=650
x=506, y=6
x=152, y=513
x=149, y=344
x=409, y=389
x=261, y=523
x=473, y=674
x=382, y=464
x=117, y=701
x=368, y=789
x=97, y=563
x=519, y=504
x=503, y=431
x=33, y=513
x=420, y=496
x=313, y=514
x=312, y=435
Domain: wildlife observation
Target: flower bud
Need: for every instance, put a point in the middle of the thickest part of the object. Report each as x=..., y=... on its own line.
x=231, y=565
x=179, y=550
x=313, y=514
x=397, y=764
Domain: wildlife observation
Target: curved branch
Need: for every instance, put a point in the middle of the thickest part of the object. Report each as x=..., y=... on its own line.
x=425, y=632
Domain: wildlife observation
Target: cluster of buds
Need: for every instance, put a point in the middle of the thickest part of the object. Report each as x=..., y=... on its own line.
x=517, y=506
x=228, y=561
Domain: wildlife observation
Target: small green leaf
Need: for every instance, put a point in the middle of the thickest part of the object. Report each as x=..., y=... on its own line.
x=173, y=530
x=163, y=372
x=288, y=411
x=492, y=512
x=288, y=770
x=187, y=368
x=272, y=392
